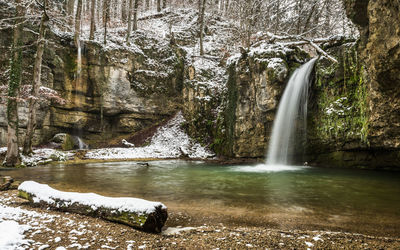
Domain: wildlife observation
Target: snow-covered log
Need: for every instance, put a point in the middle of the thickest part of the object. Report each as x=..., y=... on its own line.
x=298, y=40
x=141, y=214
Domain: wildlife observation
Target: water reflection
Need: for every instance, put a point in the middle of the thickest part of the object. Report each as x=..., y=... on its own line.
x=322, y=192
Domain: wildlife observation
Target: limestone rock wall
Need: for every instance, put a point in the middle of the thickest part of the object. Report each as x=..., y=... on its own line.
x=256, y=82
x=355, y=116
x=338, y=112
x=119, y=91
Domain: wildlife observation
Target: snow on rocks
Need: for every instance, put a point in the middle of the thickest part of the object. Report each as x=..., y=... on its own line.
x=142, y=214
x=43, y=156
x=170, y=141
x=128, y=144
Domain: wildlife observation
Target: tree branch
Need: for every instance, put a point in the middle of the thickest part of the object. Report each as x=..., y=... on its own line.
x=298, y=40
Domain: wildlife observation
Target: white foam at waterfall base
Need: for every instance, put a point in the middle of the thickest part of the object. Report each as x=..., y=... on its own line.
x=267, y=168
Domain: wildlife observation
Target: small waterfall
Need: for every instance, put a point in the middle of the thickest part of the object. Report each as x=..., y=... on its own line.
x=292, y=107
x=79, y=62
x=81, y=144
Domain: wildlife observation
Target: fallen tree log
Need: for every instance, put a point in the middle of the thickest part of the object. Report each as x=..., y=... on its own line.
x=158, y=15
x=298, y=40
x=141, y=214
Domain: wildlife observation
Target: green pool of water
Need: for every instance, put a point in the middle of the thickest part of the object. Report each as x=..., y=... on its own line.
x=365, y=196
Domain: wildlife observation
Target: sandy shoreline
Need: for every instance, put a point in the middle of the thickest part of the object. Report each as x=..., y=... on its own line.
x=54, y=229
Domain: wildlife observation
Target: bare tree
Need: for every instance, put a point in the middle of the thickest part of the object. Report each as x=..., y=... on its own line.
x=158, y=5
x=135, y=14
x=70, y=11
x=203, y=7
x=37, y=70
x=12, y=157
x=78, y=19
x=92, y=20
x=128, y=32
x=106, y=18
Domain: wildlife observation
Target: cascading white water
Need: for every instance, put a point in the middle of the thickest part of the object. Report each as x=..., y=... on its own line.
x=293, y=105
x=81, y=144
x=79, y=61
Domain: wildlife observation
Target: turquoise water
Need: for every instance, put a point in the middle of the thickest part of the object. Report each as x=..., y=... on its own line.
x=365, y=195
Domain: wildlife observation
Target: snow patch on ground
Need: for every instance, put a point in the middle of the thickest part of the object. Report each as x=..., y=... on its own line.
x=309, y=244
x=43, y=156
x=170, y=141
x=176, y=230
x=15, y=222
x=12, y=235
x=43, y=192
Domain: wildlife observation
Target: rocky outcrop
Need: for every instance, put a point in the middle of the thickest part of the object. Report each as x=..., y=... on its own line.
x=380, y=53
x=121, y=90
x=356, y=106
x=338, y=111
x=256, y=82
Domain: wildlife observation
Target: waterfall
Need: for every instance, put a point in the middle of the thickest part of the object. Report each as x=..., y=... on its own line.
x=81, y=144
x=79, y=61
x=292, y=108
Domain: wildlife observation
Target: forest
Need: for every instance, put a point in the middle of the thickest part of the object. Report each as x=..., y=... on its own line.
x=233, y=123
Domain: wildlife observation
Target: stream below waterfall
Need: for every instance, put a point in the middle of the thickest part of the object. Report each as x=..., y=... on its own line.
x=338, y=199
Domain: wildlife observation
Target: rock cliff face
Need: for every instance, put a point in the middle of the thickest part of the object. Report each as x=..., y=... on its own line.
x=379, y=70
x=255, y=85
x=120, y=90
x=354, y=119
x=354, y=105
x=338, y=112
x=380, y=52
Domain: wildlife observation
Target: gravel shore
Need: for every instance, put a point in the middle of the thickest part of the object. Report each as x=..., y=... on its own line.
x=51, y=229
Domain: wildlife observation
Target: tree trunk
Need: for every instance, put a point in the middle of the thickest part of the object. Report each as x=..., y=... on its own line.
x=135, y=13
x=299, y=7
x=199, y=6
x=226, y=7
x=128, y=33
x=70, y=11
x=147, y=5
x=106, y=17
x=37, y=70
x=78, y=19
x=158, y=5
x=278, y=16
x=12, y=156
x=99, y=13
x=203, y=7
x=92, y=20
x=124, y=15
x=164, y=4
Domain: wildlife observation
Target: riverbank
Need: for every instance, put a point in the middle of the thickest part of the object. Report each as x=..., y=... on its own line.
x=47, y=229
